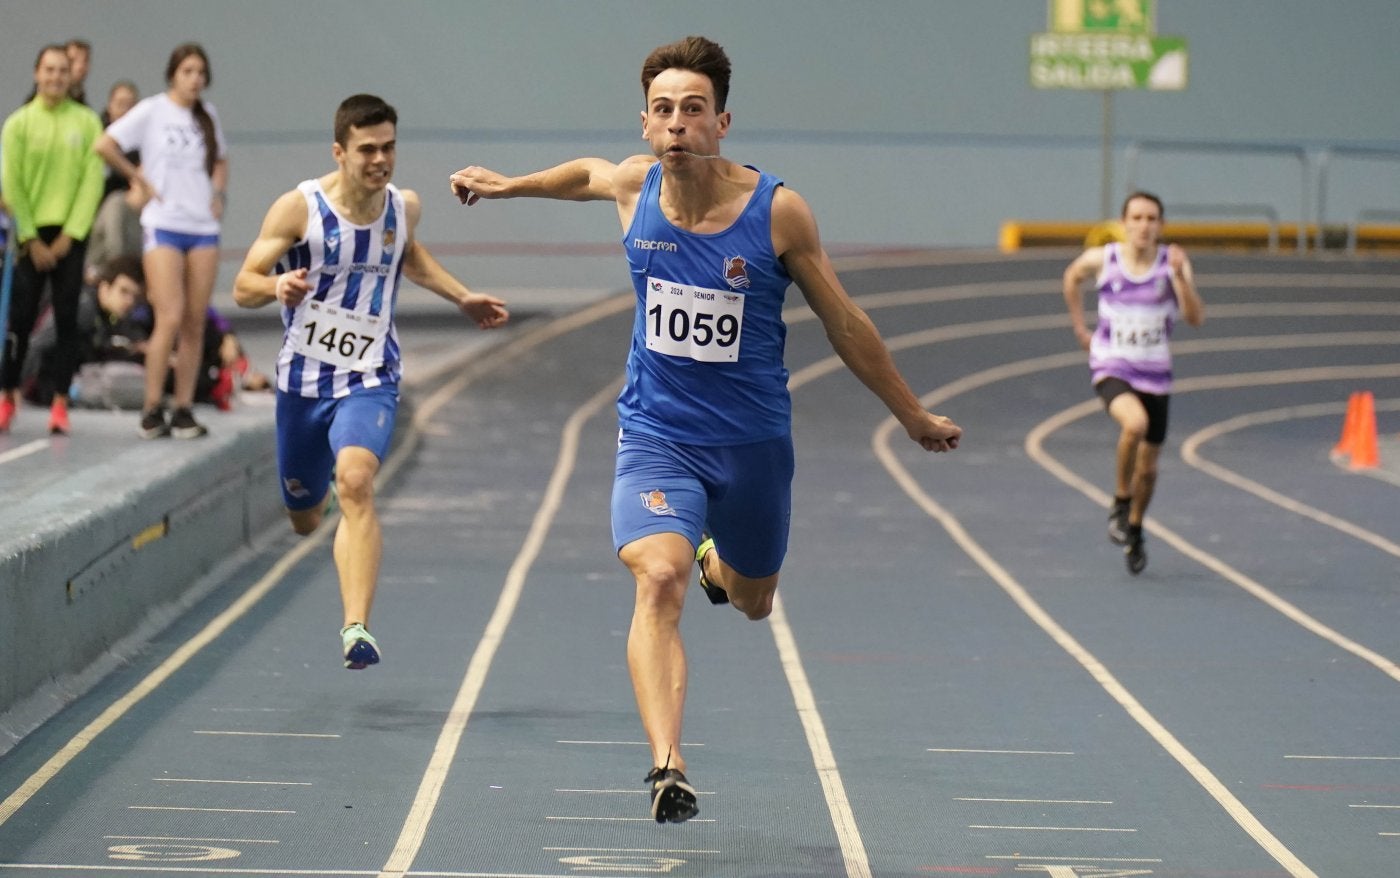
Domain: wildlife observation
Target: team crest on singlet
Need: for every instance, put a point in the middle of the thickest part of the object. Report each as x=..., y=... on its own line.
x=388, y=238
x=736, y=272
x=655, y=502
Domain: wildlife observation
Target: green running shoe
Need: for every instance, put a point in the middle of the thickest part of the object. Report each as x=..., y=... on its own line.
x=716, y=594
x=361, y=649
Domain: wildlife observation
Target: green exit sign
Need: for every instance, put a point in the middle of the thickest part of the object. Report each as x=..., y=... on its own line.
x=1102, y=16
x=1108, y=61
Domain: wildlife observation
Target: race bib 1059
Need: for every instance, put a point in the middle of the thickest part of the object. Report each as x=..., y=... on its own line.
x=694, y=322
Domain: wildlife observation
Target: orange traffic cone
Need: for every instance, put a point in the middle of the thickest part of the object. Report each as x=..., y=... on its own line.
x=1364, y=452
x=1349, y=423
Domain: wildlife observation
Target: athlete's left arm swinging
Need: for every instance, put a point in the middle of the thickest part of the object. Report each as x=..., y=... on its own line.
x=852, y=334
x=420, y=267
x=1193, y=309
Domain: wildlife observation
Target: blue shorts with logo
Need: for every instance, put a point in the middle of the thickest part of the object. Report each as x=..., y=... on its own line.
x=740, y=494
x=312, y=431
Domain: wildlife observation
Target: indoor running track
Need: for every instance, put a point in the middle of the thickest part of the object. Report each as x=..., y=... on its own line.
x=960, y=676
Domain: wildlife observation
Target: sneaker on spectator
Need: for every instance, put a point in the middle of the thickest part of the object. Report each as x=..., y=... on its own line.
x=7, y=413
x=184, y=426
x=58, y=417
x=153, y=425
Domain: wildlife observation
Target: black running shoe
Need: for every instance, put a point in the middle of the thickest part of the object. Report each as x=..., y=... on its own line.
x=1118, y=522
x=1133, y=550
x=153, y=425
x=184, y=426
x=672, y=796
x=715, y=593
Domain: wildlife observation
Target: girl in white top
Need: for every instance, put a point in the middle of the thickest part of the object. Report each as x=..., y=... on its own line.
x=183, y=176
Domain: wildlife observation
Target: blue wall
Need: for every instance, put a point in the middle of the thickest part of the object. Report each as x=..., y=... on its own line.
x=904, y=122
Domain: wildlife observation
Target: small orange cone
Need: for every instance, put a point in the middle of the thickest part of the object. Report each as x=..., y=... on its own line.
x=1364, y=452
x=1348, y=439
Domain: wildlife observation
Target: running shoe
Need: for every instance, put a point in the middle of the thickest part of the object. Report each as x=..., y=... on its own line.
x=7, y=413
x=716, y=594
x=58, y=417
x=184, y=426
x=153, y=425
x=1133, y=550
x=672, y=796
x=361, y=649
x=1118, y=522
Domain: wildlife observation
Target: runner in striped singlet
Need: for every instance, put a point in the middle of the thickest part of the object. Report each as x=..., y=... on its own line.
x=331, y=253
x=1143, y=287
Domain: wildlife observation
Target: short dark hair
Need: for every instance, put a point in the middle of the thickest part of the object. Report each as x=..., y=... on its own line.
x=51, y=47
x=1161, y=211
x=122, y=264
x=361, y=111
x=702, y=55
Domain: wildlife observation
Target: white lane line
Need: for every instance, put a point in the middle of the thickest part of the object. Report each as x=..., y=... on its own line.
x=1096, y=669
x=1350, y=758
x=613, y=820
x=622, y=743
x=263, y=734
x=1052, y=828
x=24, y=450
x=415, y=826
x=1387, y=807
x=1007, y=752
x=631, y=792
x=271, y=783
x=843, y=818
x=1075, y=859
x=1033, y=801
x=636, y=850
x=469, y=367
x=1034, y=446
x=185, y=838
x=209, y=810
x=1190, y=452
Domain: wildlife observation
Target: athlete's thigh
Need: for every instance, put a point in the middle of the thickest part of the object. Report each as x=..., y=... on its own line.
x=655, y=490
x=365, y=419
x=304, y=456
x=751, y=512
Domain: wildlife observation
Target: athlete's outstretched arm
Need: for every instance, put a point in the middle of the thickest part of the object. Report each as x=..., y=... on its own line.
x=585, y=179
x=420, y=267
x=284, y=225
x=852, y=334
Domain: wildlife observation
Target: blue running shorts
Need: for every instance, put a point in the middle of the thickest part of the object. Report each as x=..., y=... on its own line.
x=151, y=238
x=740, y=494
x=311, y=432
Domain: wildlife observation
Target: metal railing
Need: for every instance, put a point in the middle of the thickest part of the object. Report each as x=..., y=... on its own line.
x=1324, y=162
x=1136, y=148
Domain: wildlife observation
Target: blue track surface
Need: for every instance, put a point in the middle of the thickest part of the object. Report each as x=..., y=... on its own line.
x=961, y=676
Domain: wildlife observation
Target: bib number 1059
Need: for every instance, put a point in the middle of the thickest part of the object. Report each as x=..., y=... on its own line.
x=694, y=322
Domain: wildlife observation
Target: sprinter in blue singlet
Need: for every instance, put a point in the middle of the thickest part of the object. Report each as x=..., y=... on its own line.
x=705, y=459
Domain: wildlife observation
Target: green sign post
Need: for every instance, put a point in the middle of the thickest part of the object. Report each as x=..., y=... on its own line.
x=1106, y=45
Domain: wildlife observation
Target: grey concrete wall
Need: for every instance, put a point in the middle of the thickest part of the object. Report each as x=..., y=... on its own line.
x=103, y=554
x=902, y=121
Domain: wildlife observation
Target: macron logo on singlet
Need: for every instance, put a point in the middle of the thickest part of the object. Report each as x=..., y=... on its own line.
x=667, y=246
